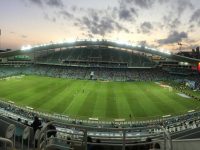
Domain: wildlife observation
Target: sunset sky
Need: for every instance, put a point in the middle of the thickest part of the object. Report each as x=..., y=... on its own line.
x=154, y=23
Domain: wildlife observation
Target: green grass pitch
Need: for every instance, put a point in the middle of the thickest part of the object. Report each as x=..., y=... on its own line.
x=95, y=99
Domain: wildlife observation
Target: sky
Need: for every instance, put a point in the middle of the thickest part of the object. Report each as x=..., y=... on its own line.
x=158, y=24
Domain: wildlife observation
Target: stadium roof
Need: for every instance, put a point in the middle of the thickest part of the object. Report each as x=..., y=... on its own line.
x=115, y=44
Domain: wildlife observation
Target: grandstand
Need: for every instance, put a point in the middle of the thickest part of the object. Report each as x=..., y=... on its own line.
x=117, y=96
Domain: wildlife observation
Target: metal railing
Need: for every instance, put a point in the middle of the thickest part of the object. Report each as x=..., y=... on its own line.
x=68, y=135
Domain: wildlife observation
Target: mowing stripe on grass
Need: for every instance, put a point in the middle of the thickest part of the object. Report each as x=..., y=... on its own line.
x=111, y=107
x=88, y=106
x=123, y=104
x=100, y=106
x=67, y=97
x=48, y=95
x=55, y=102
x=154, y=107
x=134, y=100
x=78, y=100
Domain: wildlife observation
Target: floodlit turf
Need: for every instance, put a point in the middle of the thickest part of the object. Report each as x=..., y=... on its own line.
x=104, y=100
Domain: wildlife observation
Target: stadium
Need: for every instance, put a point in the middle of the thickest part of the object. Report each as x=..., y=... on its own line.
x=99, y=93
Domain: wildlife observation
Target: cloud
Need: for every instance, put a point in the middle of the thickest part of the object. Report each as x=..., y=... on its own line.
x=196, y=17
x=162, y=1
x=101, y=27
x=74, y=8
x=145, y=43
x=55, y=3
x=125, y=11
x=175, y=23
x=47, y=17
x=182, y=5
x=146, y=27
x=171, y=21
x=127, y=14
x=66, y=14
x=121, y=28
x=99, y=23
x=50, y=3
x=37, y=2
x=24, y=36
x=141, y=3
x=173, y=37
x=12, y=32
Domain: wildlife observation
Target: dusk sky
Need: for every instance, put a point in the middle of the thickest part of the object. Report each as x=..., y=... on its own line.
x=155, y=23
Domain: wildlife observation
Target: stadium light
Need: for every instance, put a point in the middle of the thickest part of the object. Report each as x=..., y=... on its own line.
x=134, y=45
x=71, y=41
x=36, y=46
x=165, y=51
x=61, y=42
x=94, y=40
x=122, y=42
x=153, y=49
x=27, y=47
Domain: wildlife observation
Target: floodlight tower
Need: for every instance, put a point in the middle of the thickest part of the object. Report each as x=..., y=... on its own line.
x=180, y=46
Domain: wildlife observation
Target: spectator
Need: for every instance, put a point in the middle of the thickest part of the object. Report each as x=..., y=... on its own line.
x=97, y=147
x=89, y=146
x=36, y=124
x=148, y=146
x=51, y=131
x=156, y=146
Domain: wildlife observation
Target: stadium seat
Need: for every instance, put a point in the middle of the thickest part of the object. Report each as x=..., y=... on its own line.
x=22, y=131
x=7, y=129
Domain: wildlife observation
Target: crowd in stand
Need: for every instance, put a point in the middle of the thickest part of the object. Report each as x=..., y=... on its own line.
x=87, y=57
x=115, y=74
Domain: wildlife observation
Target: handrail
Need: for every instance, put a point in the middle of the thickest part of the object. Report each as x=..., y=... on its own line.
x=168, y=137
x=122, y=141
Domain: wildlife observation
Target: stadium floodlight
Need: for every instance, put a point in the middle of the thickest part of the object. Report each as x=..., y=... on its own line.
x=133, y=45
x=36, y=46
x=122, y=42
x=61, y=42
x=27, y=47
x=71, y=41
x=94, y=40
x=154, y=49
x=162, y=50
x=165, y=51
x=168, y=52
x=139, y=46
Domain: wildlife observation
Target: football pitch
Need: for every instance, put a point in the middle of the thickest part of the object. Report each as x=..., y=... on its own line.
x=85, y=99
